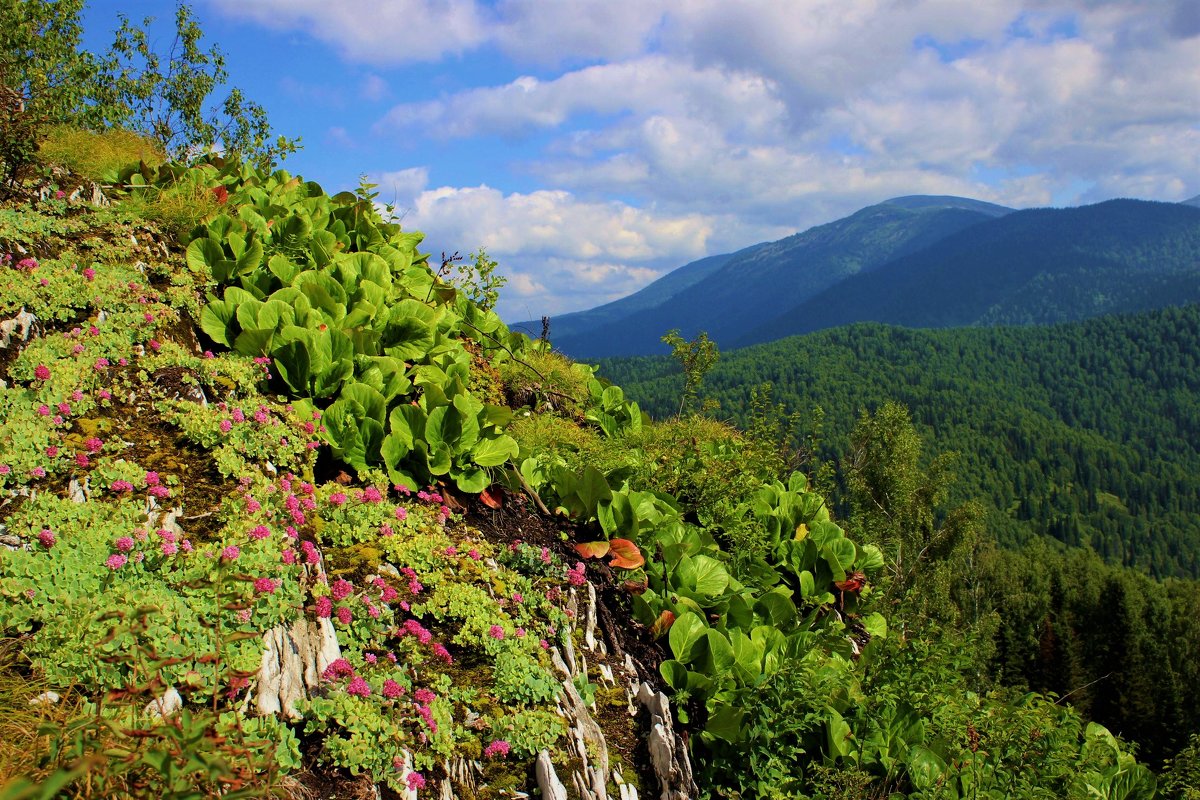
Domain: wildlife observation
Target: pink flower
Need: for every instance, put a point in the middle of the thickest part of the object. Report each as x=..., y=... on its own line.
x=265, y=586
x=474, y=554
x=226, y=426
x=100, y=364
x=440, y=651
x=124, y=544
x=186, y=545
x=46, y=537
x=451, y=550
x=89, y=273
x=359, y=687
x=104, y=394
x=160, y=491
x=148, y=316
x=371, y=495
x=496, y=632
x=520, y=632
x=231, y=552
x=94, y=445
x=37, y=472
x=152, y=479
x=43, y=410
x=344, y=615
x=339, y=668
x=289, y=556
x=253, y=506
x=575, y=576
x=238, y=416
x=260, y=416
x=260, y=532
x=337, y=498
x=42, y=372
x=52, y=451
x=341, y=589
x=121, y=486
x=324, y=606
x=424, y=696
x=401, y=513
x=5, y=469
x=392, y=690
x=169, y=548
x=497, y=748
x=155, y=345
x=415, y=780
x=116, y=561
x=518, y=597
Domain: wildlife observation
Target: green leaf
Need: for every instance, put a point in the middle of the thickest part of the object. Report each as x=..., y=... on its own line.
x=721, y=658
x=686, y=632
x=726, y=723
x=777, y=609
x=494, y=451
x=674, y=673
x=217, y=319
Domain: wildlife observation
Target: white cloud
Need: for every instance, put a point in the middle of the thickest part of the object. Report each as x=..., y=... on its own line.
x=559, y=252
x=401, y=187
x=718, y=123
x=383, y=32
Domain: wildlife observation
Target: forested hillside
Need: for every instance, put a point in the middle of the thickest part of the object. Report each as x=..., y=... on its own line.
x=1087, y=432
x=761, y=282
x=1031, y=267
x=1082, y=433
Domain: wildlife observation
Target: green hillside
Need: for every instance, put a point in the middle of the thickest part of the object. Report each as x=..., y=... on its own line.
x=1031, y=267
x=763, y=281
x=1086, y=432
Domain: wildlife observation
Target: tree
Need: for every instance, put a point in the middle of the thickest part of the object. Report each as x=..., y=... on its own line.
x=897, y=503
x=167, y=96
x=43, y=76
x=696, y=357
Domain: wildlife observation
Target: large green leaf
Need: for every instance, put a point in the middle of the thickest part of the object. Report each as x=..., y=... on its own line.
x=686, y=632
x=218, y=320
x=494, y=451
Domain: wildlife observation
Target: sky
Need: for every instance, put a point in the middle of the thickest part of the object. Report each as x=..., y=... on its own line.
x=594, y=145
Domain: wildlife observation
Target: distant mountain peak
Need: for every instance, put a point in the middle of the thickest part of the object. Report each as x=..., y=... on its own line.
x=1195, y=201
x=919, y=201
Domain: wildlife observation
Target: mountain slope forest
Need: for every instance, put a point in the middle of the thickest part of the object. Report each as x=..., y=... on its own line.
x=1082, y=433
x=918, y=262
x=287, y=512
x=731, y=296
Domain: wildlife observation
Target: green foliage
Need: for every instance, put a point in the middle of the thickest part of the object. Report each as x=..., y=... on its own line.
x=165, y=96
x=98, y=156
x=696, y=357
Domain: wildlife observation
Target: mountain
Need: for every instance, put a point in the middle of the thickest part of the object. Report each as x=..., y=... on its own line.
x=1195, y=201
x=657, y=293
x=1030, y=267
x=1088, y=432
x=728, y=296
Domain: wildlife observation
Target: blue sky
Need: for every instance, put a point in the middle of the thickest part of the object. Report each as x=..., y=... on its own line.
x=593, y=145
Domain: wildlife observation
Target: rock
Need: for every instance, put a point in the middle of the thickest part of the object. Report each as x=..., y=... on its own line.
x=547, y=779
x=78, y=492
x=166, y=706
x=585, y=739
x=293, y=659
x=18, y=327
x=45, y=699
x=668, y=753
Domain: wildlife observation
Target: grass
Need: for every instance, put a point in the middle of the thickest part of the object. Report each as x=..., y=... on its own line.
x=98, y=156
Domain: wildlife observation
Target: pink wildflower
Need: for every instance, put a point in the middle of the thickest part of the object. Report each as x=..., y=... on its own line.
x=341, y=589
x=42, y=372
x=160, y=491
x=152, y=479
x=100, y=364
x=401, y=513
x=38, y=472
x=496, y=632
x=337, y=498
x=260, y=532
x=359, y=687
x=155, y=345
x=497, y=748
x=424, y=696
x=265, y=586
x=46, y=537
x=226, y=426
x=289, y=556
x=52, y=451
x=324, y=606
x=344, y=615
x=415, y=780
x=82, y=460
x=43, y=410
x=89, y=273
x=94, y=445
x=124, y=544
x=474, y=554
x=339, y=668
x=169, y=548
x=231, y=552
x=392, y=690
x=371, y=495
x=116, y=561
x=238, y=416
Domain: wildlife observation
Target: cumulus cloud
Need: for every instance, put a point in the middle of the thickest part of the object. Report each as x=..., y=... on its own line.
x=665, y=130
x=559, y=252
x=366, y=31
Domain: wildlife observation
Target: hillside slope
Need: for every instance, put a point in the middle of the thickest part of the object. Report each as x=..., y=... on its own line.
x=762, y=282
x=1086, y=432
x=1031, y=267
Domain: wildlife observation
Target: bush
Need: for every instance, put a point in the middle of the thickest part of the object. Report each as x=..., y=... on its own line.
x=98, y=156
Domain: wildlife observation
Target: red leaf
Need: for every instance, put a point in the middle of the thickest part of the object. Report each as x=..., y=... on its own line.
x=662, y=624
x=592, y=549
x=492, y=499
x=625, y=554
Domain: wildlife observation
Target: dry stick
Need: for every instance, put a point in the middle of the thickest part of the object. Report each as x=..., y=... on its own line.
x=534, y=495
x=523, y=363
x=1081, y=688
